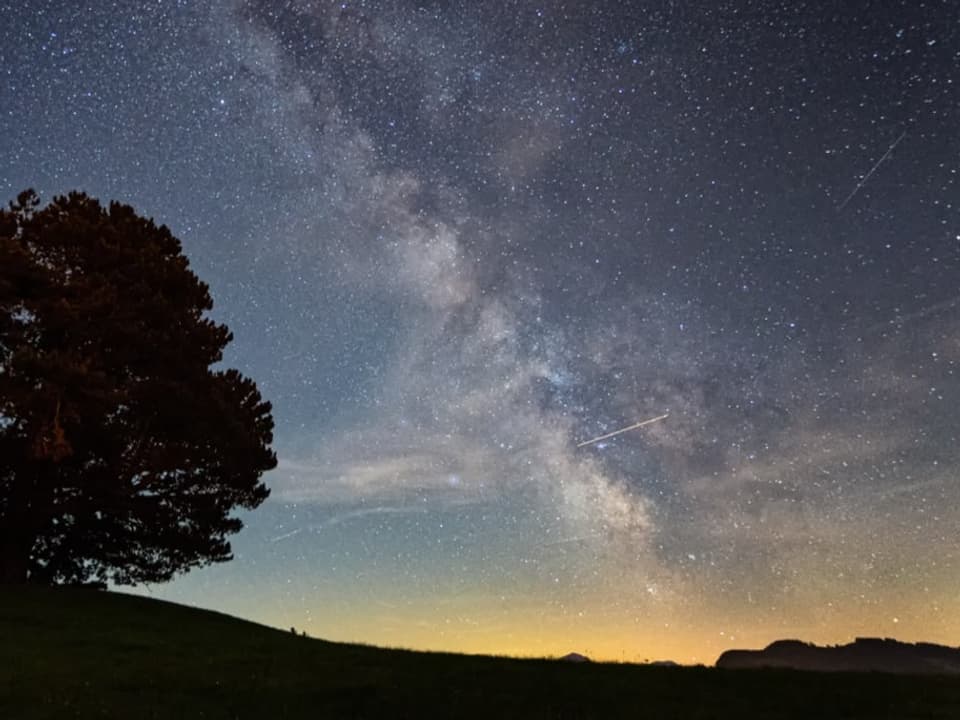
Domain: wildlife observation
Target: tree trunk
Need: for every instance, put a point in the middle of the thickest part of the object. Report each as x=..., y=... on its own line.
x=19, y=529
x=14, y=560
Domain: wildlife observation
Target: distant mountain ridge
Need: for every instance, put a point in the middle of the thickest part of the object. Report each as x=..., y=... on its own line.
x=862, y=655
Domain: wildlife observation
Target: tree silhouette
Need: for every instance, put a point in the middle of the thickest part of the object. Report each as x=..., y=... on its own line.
x=122, y=453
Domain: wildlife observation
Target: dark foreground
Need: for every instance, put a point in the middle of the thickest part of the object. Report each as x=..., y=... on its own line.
x=88, y=654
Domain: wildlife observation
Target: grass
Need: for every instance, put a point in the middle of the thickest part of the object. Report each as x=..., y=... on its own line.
x=83, y=653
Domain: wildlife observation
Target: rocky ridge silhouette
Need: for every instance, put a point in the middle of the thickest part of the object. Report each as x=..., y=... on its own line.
x=862, y=655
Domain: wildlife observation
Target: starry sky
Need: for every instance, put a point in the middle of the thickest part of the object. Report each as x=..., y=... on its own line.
x=454, y=239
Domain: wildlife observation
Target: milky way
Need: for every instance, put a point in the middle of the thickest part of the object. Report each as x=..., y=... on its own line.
x=456, y=239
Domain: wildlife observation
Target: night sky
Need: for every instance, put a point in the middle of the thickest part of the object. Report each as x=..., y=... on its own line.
x=455, y=239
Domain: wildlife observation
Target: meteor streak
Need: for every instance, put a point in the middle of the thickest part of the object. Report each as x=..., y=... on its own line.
x=623, y=430
x=866, y=177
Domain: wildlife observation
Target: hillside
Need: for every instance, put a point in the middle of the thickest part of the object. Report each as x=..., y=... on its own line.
x=88, y=654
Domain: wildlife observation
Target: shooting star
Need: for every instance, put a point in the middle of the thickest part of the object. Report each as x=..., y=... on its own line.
x=570, y=540
x=290, y=534
x=349, y=515
x=866, y=177
x=623, y=430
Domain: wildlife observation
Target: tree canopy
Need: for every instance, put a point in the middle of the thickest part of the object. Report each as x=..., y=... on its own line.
x=123, y=451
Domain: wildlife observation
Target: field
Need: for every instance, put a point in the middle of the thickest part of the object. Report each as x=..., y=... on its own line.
x=67, y=653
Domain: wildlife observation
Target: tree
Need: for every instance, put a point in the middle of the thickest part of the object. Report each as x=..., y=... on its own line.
x=123, y=454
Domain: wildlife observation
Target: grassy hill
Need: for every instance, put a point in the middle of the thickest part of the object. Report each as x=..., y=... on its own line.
x=88, y=654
